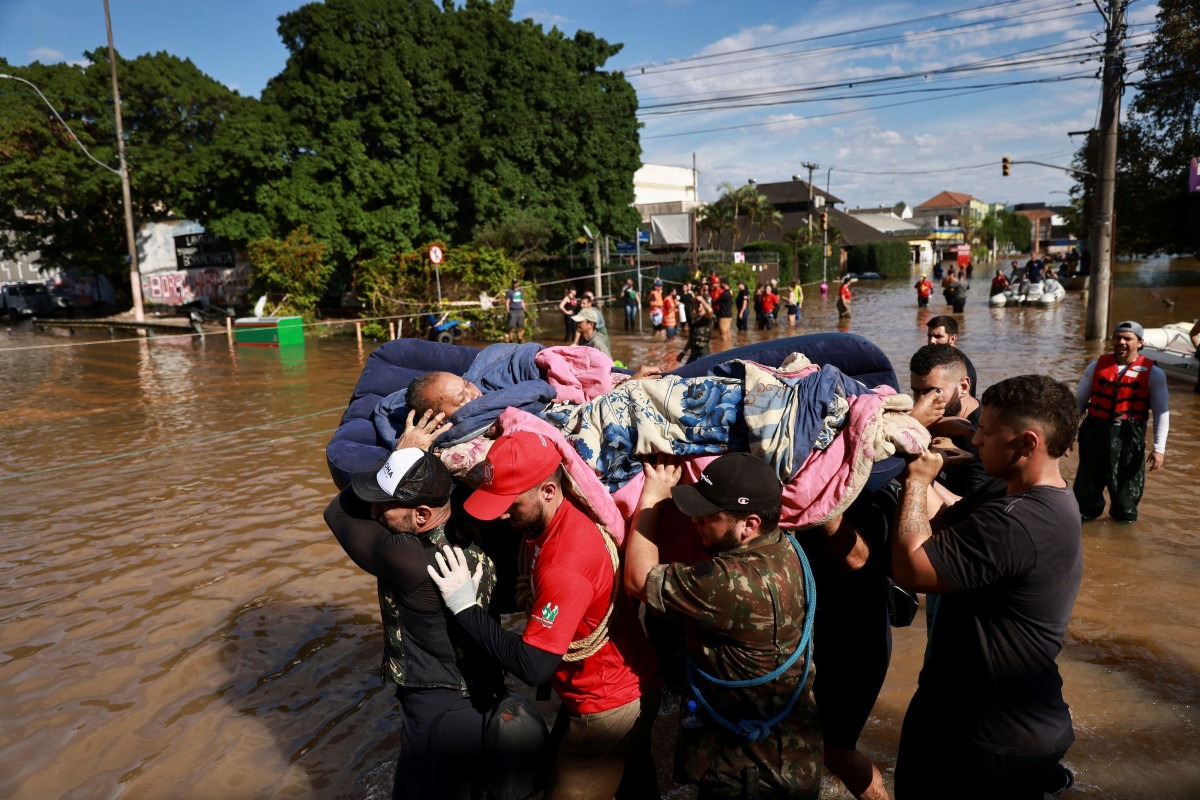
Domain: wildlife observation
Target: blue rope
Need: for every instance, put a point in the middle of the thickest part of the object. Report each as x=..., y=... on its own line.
x=757, y=730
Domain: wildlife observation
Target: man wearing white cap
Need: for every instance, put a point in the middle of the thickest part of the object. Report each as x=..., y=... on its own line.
x=583, y=633
x=1119, y=392
x=586, y=323
x=390, y=521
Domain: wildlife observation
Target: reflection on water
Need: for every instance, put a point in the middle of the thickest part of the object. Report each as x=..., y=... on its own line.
x=177, y=622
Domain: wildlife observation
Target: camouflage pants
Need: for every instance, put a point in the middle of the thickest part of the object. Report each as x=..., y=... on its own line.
x=1112, y=456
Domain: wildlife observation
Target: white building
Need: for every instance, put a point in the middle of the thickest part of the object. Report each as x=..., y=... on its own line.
x=666, y=197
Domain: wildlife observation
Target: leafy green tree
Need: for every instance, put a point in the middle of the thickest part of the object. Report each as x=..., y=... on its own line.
x=409, y=122
x=67, y=206
x=1004, y=231
x=523, y=235
x=1153, y=210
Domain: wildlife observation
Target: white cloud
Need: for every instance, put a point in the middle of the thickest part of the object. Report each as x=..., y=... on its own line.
x=46, y=55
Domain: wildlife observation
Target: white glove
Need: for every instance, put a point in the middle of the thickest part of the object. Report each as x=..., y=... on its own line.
x=454, y=580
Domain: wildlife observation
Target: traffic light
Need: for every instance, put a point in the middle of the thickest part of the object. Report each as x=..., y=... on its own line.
x=824, y=221
x=1004, y=165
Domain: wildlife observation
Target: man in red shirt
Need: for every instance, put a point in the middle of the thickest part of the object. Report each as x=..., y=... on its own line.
x=583, y=633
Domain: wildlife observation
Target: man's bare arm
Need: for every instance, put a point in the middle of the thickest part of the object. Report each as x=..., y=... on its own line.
x=641, y=546
x=910, y=565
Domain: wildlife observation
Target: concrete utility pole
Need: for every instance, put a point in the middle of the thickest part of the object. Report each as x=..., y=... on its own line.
x=1100, y=282
x=135, y=275
x=824, y=230
x=808, y=165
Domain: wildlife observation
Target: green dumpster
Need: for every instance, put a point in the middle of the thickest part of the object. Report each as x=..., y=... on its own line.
x=268, y=331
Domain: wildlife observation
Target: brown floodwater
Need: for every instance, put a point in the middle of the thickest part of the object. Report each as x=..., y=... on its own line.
x=177, y=622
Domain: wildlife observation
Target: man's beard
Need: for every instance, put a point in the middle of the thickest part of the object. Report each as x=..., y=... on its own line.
x=953, y=405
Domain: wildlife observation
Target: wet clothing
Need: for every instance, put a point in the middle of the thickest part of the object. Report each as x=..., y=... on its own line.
x=630, y=296
x=1112, y=439
x=958, y=295
x=924, y=289
x=743, y=613
x=445, y=683
x=743, y=310
x=699, y=335
x=843, y=301
x=571, y=306
x=990, y=691
x=572, y=581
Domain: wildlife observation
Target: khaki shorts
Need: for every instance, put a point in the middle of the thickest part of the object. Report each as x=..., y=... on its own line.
x=591, y=758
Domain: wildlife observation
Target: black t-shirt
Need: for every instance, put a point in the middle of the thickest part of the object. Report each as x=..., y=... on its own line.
x=1015, y=564
x=724, y=304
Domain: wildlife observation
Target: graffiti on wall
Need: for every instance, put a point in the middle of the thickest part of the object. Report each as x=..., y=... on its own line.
x=221, y=285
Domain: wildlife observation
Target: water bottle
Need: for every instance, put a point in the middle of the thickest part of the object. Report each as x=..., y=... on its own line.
x=690, y=719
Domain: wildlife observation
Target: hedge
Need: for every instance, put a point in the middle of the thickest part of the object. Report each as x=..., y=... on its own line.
x=891, y=259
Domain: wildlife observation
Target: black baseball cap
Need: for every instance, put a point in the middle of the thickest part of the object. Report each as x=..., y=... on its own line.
x=409, y=477
x=738, y=482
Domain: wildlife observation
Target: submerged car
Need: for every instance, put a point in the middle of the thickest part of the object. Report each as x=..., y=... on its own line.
x=24, y=300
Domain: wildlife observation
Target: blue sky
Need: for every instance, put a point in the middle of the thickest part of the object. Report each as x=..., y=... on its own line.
x=901, y=99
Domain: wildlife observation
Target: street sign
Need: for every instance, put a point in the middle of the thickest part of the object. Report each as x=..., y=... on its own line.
x=435, y=254
x=644, y=237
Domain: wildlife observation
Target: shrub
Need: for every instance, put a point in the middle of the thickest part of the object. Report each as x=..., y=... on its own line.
x=293, y=272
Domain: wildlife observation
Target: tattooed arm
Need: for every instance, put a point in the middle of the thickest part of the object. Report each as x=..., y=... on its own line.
x=910, y=564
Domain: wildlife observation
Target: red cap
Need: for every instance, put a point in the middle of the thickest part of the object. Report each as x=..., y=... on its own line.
x=516, y=463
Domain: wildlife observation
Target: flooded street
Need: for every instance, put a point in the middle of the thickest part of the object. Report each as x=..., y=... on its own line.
x=179, y=623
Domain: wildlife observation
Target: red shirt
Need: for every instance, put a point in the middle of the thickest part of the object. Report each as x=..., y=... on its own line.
x=845, y=292
x=572, y=578
x=769, y=301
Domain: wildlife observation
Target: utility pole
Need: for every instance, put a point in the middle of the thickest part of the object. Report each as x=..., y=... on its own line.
x=824, y=231
x=808, y=165
x=135, y=275
x=1100, y=282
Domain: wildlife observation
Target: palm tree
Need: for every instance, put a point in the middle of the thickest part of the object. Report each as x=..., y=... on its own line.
x=763, y=214
x=739, y=199
x=715, y=219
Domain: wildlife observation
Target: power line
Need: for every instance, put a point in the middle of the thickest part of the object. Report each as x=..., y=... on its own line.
x=906, y=37
x=851, y=32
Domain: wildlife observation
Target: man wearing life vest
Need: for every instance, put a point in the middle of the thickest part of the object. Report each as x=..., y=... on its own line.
x=1119, y=392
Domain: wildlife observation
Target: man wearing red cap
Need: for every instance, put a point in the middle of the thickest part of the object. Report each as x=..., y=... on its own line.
x=582, y=634
x=751, y=728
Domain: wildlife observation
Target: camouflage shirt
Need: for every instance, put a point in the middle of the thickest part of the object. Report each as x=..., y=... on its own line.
x=743, y=614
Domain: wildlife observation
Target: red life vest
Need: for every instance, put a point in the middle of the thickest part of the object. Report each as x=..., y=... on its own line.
x=924, y=288
x=1119, y=396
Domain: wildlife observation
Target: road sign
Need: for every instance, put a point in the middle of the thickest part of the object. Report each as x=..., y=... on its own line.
x=435, y=254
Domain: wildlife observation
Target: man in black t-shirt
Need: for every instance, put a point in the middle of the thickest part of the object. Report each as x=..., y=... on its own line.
x=988, y=719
